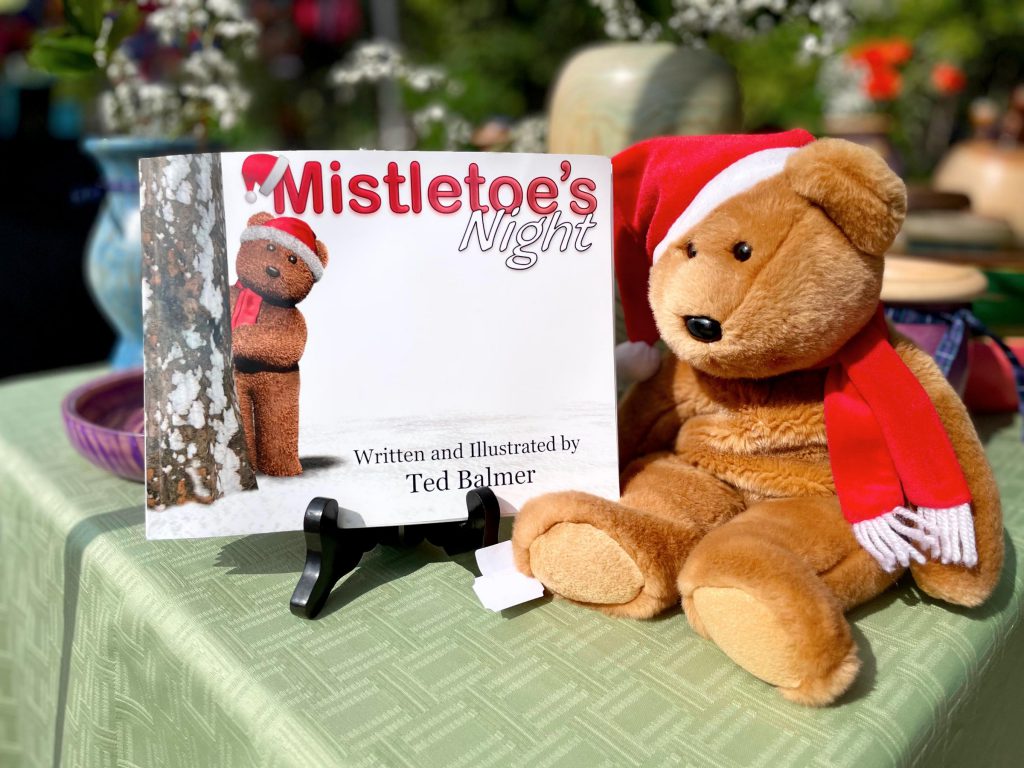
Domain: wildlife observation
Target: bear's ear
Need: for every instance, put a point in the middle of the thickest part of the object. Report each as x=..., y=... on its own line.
x=854, y=187
x=321, y=252
x=258, y=219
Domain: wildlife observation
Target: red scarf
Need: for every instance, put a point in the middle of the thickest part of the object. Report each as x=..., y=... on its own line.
x=247, y=307
x=888, y=451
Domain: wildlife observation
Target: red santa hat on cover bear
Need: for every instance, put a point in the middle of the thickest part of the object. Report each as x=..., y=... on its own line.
x=265, y=170
x=663, y=188
x=293, y=234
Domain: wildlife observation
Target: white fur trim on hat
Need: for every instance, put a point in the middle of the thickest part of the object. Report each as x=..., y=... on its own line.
x=275, y=175
x=636, y=361
x=286, y=240
x=734, y=179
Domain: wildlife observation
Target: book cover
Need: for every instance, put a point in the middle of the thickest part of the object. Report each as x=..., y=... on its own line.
x=390, y=329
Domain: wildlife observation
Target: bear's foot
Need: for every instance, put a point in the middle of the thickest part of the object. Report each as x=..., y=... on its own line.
x=585, y=564
x=769, y=645
x=769, y=587
x=601, y=553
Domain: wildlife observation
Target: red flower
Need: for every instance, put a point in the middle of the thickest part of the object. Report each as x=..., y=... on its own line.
x=878, y=53
x=882, y=58
x=883, y=83
x=948, y=78
x=896, y=51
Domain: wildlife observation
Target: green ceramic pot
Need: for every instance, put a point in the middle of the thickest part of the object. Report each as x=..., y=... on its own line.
x=610, y=96
x=1002, y=307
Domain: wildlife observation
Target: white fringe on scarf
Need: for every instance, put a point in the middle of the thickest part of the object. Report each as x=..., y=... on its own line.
x=946, y=535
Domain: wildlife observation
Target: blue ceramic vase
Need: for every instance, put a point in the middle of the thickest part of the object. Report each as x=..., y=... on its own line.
x=113, y=256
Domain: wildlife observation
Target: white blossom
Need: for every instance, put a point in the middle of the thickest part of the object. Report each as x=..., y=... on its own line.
x=529, y=135
x=455, y=128
x=622, y=21
x=99, y=53
x=693, y=21
x=207, y=86
x=377, y=61
x=841, y=83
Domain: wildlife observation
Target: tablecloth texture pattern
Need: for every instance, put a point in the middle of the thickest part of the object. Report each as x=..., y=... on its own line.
x=115, y=651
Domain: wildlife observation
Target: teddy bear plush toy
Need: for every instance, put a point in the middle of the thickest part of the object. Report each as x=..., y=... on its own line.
x=792, y=455
x=278, y=262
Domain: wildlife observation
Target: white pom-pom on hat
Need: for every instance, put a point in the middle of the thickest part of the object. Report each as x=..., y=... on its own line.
x=636, y=361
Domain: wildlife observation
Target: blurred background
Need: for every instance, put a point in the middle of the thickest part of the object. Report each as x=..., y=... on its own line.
x=89, y=86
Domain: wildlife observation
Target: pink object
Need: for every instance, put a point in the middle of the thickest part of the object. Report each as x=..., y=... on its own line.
x=927, y=336
x=990, y=385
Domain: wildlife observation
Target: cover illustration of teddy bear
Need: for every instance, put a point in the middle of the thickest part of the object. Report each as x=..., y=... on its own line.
x=278, y=263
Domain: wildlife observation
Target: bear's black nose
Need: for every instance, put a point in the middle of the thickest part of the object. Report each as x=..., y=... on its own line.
x=703, y=328
x=273, y=271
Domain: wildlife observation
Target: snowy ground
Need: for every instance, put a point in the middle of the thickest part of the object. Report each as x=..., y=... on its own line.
x=381, y=494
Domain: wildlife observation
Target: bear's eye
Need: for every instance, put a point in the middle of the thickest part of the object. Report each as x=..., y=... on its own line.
x=271, y=247
x=691, y=250
x=293, y=259
x=742, y=251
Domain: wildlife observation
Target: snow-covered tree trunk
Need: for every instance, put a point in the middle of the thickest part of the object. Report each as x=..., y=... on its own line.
x=195, y=447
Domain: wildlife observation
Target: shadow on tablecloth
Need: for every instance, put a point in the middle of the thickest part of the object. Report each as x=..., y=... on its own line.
x=285, y=553
x=78, y=538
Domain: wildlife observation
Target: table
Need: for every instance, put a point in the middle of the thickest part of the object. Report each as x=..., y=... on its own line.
x=118, y=651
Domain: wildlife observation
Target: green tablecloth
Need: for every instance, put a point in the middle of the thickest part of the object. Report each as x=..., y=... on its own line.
x=118, y=651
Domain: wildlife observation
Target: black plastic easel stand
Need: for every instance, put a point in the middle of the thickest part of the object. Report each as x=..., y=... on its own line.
x=332, y=552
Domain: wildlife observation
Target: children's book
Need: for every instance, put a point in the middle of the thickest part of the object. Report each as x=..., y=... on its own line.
x=389, y=329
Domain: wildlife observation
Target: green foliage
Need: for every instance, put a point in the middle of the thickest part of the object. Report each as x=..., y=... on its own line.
x=85, y=16
x=505, y=54
x=69, y=50
x=959, y=29
x=62, y=53
x=778, y=85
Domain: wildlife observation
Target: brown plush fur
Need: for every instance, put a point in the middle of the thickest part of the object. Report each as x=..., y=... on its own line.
x=728, y=502
x=266, y=354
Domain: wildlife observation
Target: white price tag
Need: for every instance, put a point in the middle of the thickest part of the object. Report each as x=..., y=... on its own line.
x=501, y=586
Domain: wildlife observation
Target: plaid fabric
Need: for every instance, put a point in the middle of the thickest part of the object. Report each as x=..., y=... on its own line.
x=959, y=322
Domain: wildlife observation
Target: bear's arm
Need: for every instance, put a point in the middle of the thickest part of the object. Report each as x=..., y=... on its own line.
x=952, y=583
x=277, y=339
x=652, y=411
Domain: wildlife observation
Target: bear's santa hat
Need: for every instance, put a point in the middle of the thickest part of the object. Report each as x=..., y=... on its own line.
x=265, y=170
x=663, y=188
x=292, y=234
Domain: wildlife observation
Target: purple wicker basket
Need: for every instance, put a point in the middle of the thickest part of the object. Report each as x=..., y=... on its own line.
x=104, y=420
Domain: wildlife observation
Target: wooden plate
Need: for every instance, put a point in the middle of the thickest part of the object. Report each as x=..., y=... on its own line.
x=911, y=280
